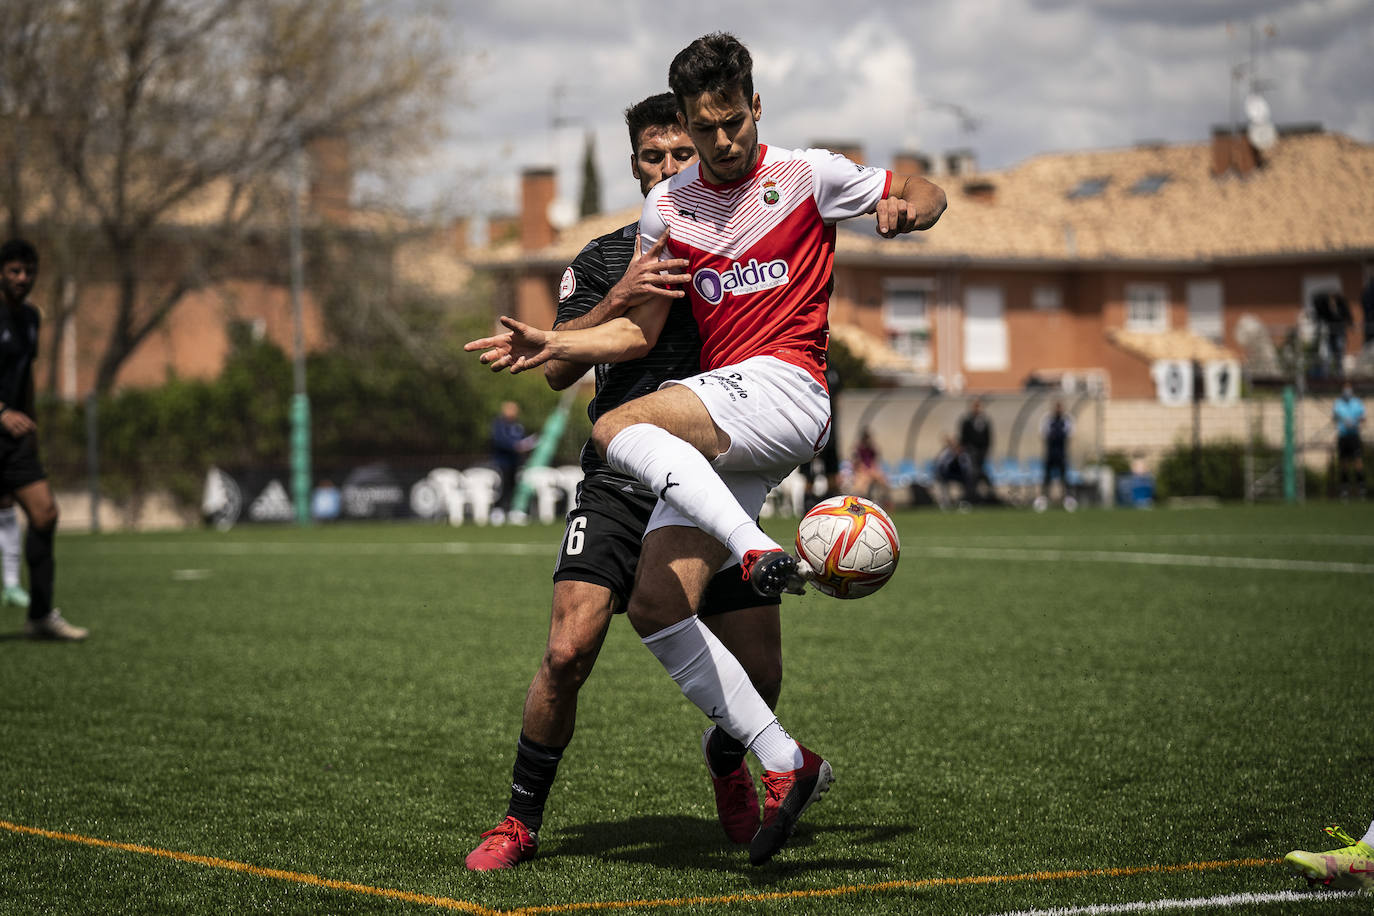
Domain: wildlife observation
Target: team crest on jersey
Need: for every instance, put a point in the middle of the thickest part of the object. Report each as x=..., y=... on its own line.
x=770, y=193
x=568, y=285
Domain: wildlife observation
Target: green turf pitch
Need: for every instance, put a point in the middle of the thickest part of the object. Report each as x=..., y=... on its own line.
x=343, y=702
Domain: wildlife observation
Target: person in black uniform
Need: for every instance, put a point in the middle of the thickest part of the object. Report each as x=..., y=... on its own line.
x=595, y=571
x=1056, y=430
x=975, y=438
x=20, y=470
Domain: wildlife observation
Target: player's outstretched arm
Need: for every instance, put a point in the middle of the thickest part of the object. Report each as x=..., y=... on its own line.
x=914, y=204
x=647, y=277
x=524, y=347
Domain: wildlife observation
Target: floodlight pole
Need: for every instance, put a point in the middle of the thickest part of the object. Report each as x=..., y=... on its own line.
x=300, y=400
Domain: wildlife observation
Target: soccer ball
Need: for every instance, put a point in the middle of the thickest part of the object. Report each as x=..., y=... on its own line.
x=851, y=545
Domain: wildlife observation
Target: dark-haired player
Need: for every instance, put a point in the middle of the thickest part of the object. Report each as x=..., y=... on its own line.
x=20, y=470
x=756, y=225
x=596, y=563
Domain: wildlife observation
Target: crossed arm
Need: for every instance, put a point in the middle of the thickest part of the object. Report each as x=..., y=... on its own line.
x=623, y=326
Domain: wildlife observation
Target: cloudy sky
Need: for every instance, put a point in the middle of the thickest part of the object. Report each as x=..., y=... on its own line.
x=1006, y=78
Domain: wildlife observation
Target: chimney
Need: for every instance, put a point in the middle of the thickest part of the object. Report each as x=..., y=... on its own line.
x=537, y=190
x=961, y=162
x=1232, y=152
x=911, y=163
x=850, y=149
x=331, y=178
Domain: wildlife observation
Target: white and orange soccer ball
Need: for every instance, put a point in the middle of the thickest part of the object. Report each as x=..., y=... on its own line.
x=850, y=544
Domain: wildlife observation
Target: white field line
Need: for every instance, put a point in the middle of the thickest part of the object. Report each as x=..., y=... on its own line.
x=1339, y=540
x=1191, y=903
x=277, y=548
x=1138, y=558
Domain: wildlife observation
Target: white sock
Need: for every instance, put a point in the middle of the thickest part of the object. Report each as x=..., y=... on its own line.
x=1369, y=836
x=10, y=552
x=776, y=745
x=685, y=479
x=715, y=681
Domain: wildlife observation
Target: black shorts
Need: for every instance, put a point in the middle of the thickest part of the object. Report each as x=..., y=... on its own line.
x=1349, y=446
x=602, y=541
x=19, y=464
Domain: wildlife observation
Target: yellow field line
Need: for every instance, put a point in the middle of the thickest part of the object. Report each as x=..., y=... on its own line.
x=280, y=875
x=466, y=906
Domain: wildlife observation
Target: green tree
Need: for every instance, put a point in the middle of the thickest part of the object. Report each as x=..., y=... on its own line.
x=591, y=181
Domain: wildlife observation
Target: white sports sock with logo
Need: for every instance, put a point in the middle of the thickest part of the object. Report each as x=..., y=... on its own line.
x=1369, y=836
x=683, y=477
x=716, y=682
x=10, y=553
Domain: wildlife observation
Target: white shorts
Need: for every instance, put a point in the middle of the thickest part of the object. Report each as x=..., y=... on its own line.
x=777, y=417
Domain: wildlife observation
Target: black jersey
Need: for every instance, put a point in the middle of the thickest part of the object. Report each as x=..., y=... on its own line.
x=18, y=348
x=677, y=354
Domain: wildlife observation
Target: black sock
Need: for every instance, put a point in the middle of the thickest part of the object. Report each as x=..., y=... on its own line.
x=39, y=555
x=536, y=765
x=724, y=752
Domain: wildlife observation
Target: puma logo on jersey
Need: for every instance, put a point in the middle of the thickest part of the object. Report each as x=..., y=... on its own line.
x=667, y=484
x=739, y=279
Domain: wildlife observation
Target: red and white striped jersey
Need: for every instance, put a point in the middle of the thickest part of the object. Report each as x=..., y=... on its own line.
x=760, y=250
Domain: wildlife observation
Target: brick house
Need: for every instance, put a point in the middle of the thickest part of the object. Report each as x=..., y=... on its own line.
x=1091, y=263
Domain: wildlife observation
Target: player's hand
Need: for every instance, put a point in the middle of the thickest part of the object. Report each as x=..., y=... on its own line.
x=521, y=347
x=895, y=216
x=17, y=423
x=648, y=277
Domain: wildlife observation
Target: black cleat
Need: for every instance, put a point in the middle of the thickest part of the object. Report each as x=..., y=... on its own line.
x=772, y=572
x=788, y=795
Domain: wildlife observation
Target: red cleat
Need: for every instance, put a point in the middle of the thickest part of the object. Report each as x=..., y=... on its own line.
x=789, y=794
x=737, y=800
x=504, y=846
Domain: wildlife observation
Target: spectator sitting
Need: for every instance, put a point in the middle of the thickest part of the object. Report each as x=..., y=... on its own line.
x=870, y=480
x=952, y=465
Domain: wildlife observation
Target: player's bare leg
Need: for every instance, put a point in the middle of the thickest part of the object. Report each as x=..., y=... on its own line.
x=577, y=628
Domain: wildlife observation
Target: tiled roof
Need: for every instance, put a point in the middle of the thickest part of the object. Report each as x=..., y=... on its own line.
x=1314, y=193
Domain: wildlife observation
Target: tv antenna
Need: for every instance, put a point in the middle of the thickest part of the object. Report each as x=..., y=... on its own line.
x=1259, y=129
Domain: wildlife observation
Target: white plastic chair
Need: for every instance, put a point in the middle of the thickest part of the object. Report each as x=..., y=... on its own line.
x=569, y=477
x=481, y=485
x=788, y=497
x=448, y=483
x=546, y=488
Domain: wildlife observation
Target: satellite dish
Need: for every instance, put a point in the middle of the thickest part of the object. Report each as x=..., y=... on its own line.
x=1260, y=131
x=1262, y=135
x=562, y=213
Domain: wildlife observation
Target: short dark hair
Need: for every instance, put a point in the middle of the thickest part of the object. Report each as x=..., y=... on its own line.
x=19, y=250
x=715, y=63
x=655, y=111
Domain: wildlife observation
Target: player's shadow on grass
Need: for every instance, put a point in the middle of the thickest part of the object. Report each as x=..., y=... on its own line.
x=679, y=842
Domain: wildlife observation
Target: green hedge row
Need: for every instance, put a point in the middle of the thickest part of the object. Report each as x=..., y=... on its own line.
x=382, y=408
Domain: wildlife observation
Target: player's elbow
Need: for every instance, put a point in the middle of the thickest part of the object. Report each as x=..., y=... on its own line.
x=561, y=375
